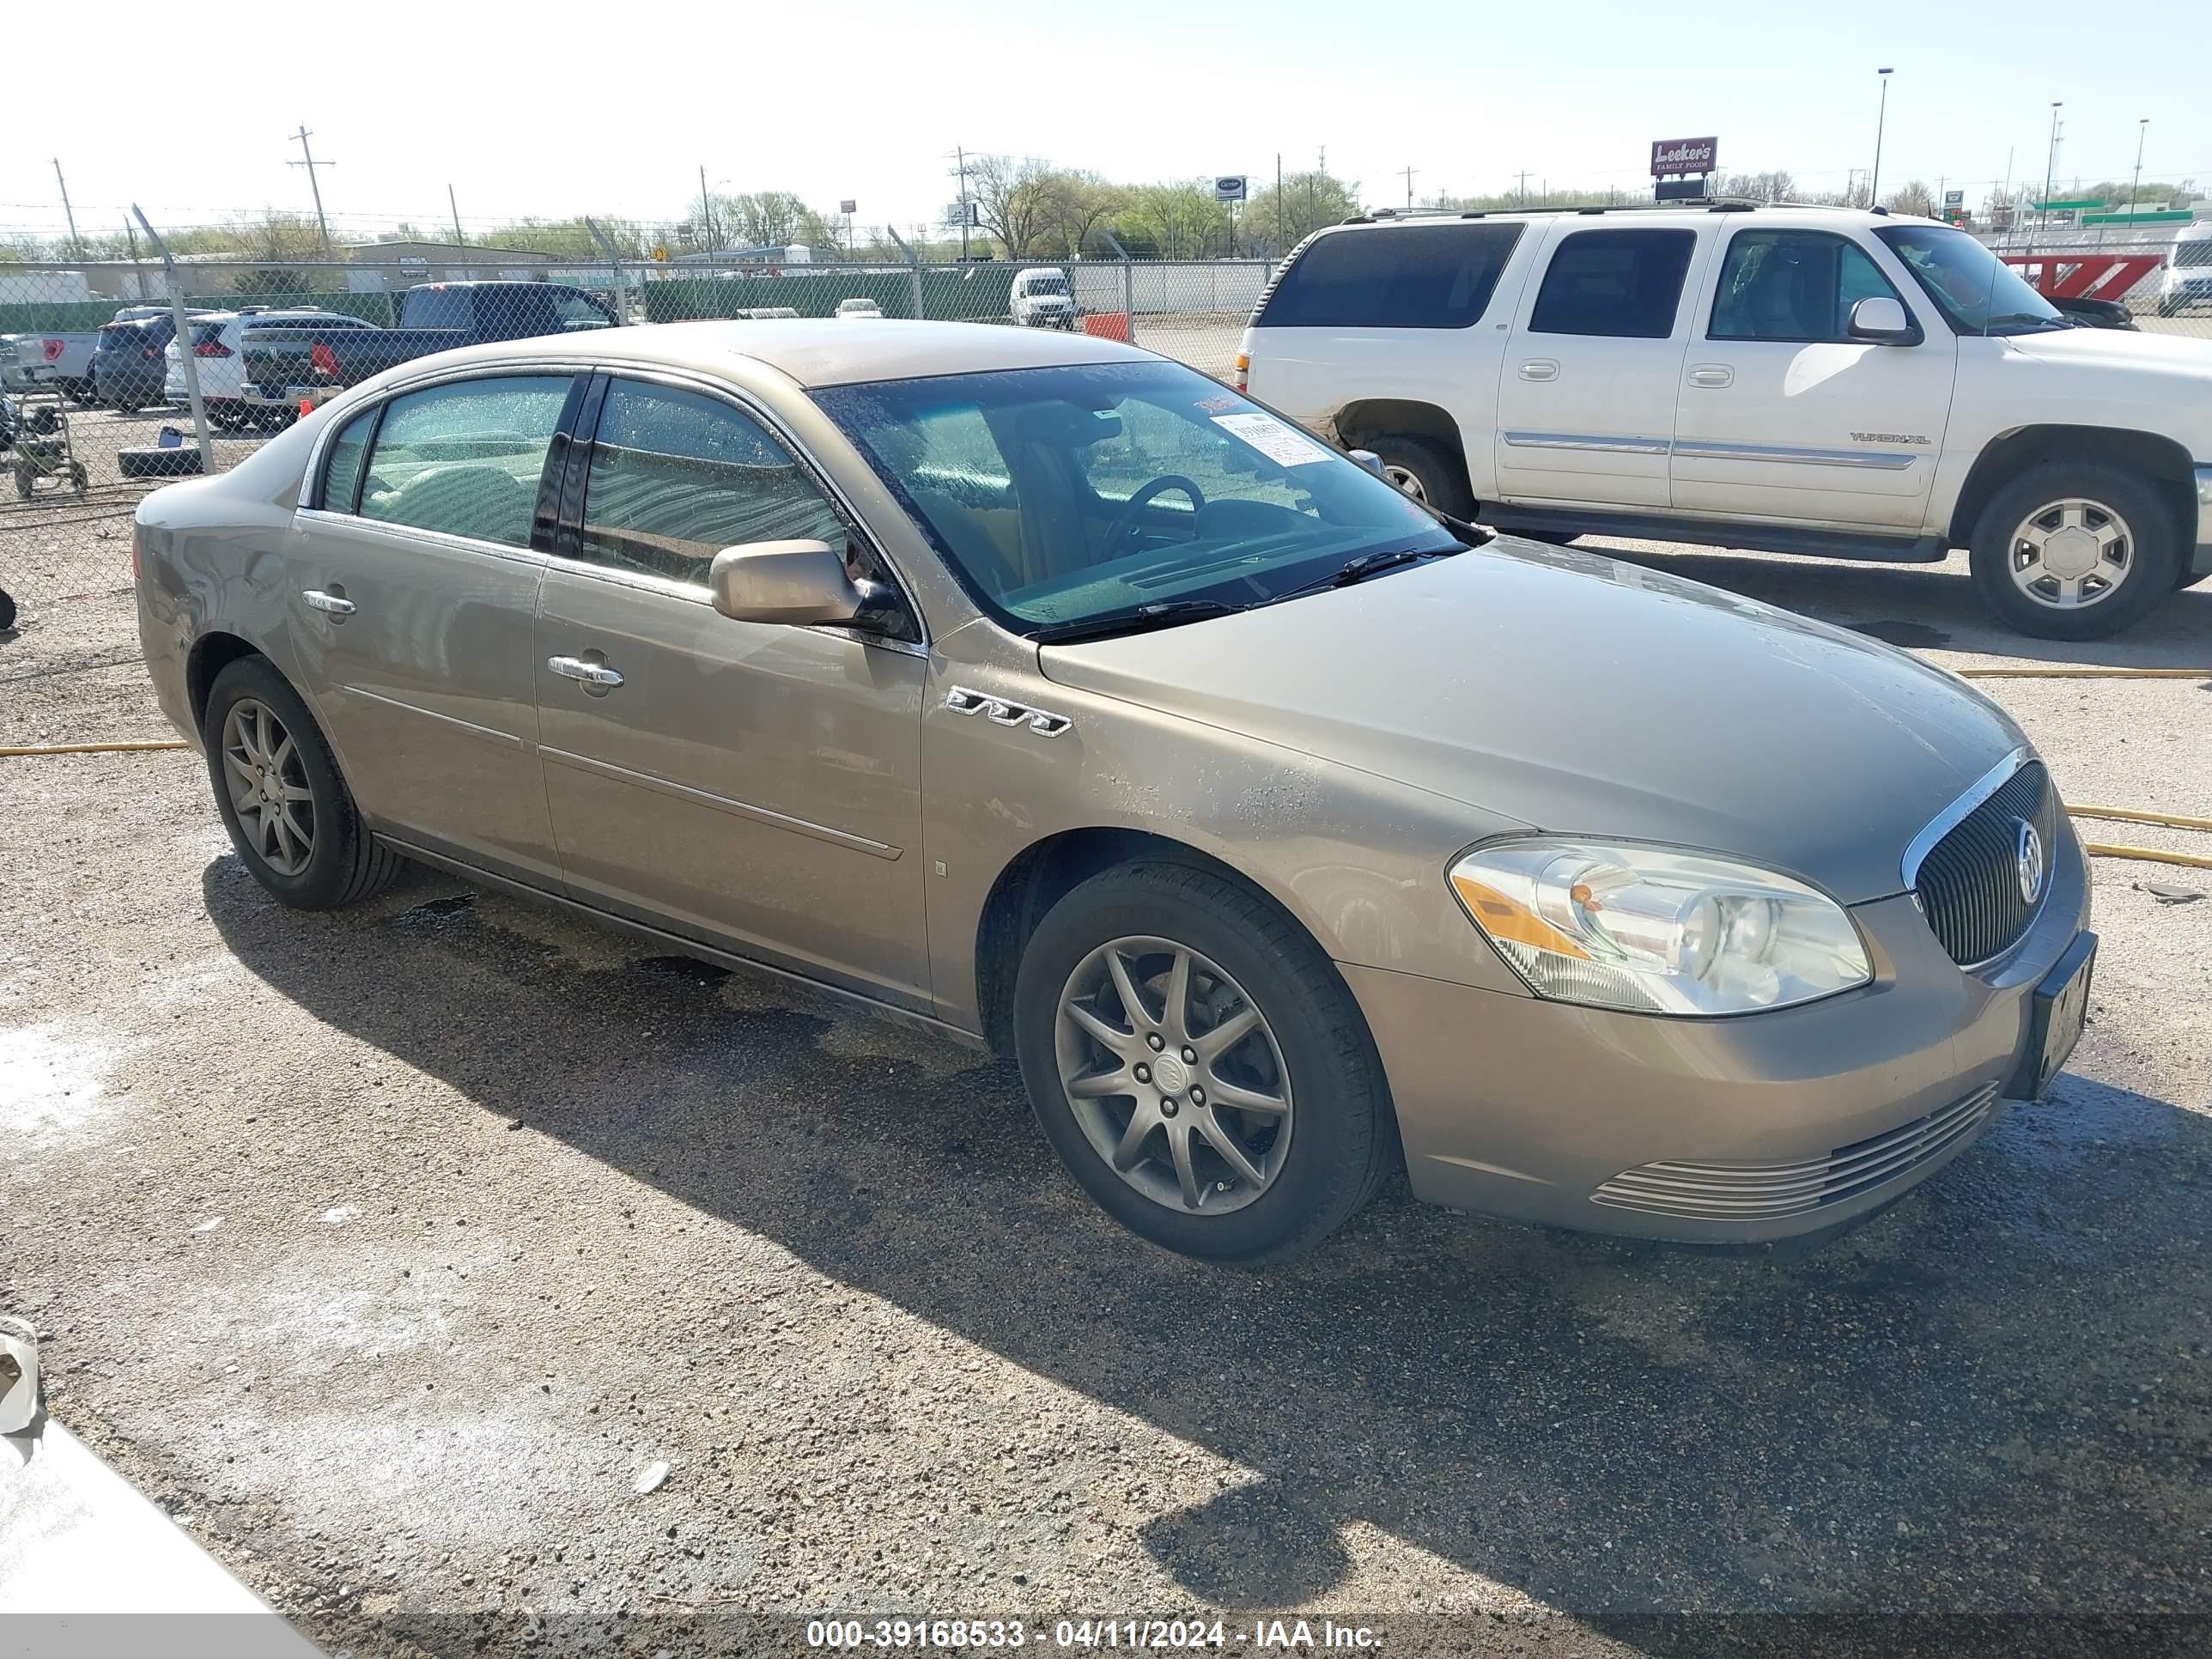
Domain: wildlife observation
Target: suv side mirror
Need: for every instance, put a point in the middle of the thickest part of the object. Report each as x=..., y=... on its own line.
x=1882, y=321
x=795, y=582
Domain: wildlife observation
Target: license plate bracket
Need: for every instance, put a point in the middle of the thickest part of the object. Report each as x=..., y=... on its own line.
x=2058, y=1011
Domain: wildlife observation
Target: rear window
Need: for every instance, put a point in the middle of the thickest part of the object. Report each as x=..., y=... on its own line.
x=115, y=336
x=207, y=334
x=1401, y=276
x=1625, y=283
x=438, y=307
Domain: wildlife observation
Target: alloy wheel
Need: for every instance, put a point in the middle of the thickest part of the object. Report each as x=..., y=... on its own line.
x=1173, y=1075
x=2070, y=553
x=268, y=787
x=1407, y=480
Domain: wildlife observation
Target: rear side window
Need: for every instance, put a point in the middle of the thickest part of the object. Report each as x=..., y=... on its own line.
x=342, y=463
x=1401, y=276
x=466, y=457
x=1625, y=284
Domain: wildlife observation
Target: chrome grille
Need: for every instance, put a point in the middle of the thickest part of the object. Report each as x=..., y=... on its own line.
x=1968, y=884
x=1768, y=1192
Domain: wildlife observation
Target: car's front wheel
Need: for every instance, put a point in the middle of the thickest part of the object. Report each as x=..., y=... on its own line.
x=1198, y=1064
x=277, y=786
x=2076, y=551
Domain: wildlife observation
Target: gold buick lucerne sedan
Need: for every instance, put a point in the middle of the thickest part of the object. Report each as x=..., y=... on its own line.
x=1046, y=690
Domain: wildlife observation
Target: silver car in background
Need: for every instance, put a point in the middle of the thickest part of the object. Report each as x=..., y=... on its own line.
x=1047, y=692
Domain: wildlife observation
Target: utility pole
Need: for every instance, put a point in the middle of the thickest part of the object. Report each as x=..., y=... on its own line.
x=76, y=243
x=2051, y=159
x=2143, y=131
x=1520, y=185
x=1880, y=119
x=1409, y=184
x=960, y=172
x=1279, y=205
x=311, y=164
x=456, y=207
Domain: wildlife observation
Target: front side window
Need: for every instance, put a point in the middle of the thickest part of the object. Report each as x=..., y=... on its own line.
x=465, y=457
x=1401, y=276
x=1622, y=283
x=675, y=477
x=1794, y=285
x=1977, y=292
x=1077, y=494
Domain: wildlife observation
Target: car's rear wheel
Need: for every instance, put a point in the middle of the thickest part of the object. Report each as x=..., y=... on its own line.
x=1427, y=470
x=2075, y=550
x=1199, y=1065
x=277, y=786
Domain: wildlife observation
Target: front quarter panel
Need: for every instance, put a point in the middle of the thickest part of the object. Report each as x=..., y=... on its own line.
x=1357, y=859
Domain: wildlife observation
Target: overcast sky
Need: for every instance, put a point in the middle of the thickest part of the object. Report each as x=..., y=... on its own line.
x=553, y=109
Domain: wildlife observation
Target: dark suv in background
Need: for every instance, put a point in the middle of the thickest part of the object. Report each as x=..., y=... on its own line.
x=128, y=365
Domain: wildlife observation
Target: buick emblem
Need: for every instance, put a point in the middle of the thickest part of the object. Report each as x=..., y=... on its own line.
x=2027, y=853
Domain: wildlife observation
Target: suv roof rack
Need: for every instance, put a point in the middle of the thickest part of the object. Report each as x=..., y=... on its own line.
x=1707, y=204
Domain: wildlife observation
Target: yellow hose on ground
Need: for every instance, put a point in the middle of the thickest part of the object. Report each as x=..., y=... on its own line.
x=2132, y=816
x=95, y=748
x=2065, y=674
x=2148, y=854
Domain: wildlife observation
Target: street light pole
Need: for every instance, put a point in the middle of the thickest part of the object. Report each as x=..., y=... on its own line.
x=2143, y=131
x=1881, y=120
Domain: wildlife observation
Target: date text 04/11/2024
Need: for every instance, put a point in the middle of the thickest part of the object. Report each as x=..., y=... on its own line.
x=1286, y=1634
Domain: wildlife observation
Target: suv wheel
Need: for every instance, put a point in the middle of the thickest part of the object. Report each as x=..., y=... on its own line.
x=289, y=814
x=2074, y=551
x=1426, y=471
x=1199, y=1065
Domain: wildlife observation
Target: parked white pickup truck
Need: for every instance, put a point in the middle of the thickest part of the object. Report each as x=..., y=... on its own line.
x=1852, y=384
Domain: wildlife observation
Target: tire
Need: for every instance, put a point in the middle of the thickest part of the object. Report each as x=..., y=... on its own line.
x=1320, y=1159
x=1426, y=471
x=153, y=461
x=343, y=864
x=2116, y=504
x=2170, y=307
x=7, y=610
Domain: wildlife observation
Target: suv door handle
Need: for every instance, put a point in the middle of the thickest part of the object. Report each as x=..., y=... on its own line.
x=1712, y=375
x=331, y=604
x=1541, y=369
x=590, y=673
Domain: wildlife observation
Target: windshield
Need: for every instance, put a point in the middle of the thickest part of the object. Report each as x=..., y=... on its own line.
x=2194, y=253
x=1975, y=290
x=1073, y=495
x=1053, y=284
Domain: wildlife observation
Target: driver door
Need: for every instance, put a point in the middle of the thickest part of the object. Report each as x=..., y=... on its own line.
x=747, y=784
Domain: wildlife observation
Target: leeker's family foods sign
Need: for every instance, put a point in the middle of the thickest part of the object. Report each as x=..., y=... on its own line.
x=1681, y=155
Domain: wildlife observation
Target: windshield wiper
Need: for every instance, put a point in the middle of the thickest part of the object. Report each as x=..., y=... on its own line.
x=1169, y=613
x=1366, y=565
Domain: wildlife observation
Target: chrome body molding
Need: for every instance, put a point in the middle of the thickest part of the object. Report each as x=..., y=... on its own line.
x=1878, y=460
x=1949, y=818
x=1586, y=440
x=1046, y=723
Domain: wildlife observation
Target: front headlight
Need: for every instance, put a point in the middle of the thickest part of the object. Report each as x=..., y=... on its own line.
x=1654, y=931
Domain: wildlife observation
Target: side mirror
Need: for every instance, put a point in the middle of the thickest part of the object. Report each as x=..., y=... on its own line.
x=794, y=582
x=1368, y=458
x=1882, y=321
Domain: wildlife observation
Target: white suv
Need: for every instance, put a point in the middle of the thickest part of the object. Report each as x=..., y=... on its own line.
x=1852, y=384
x=218, y=343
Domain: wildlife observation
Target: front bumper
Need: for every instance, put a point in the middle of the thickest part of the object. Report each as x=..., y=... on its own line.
x=1550, y=1113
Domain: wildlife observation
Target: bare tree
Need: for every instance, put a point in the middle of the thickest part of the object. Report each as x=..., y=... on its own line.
x=1914, y=196
x=1010, y=198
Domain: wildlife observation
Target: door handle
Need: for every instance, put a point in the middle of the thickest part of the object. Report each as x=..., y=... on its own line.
x=1540, y=368
x=590, y=673
x=1712, y=375
x=331, y=604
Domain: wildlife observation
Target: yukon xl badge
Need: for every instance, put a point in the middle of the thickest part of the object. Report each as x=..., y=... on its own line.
x=961, y=700
x=1889, y=437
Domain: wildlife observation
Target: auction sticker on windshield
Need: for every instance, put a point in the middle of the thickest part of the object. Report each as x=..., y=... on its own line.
x=1272, y=439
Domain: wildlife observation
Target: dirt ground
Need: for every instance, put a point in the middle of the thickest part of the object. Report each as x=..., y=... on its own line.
x=387, y=1248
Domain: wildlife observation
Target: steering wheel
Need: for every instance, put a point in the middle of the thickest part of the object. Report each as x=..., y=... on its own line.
x=1125, y=523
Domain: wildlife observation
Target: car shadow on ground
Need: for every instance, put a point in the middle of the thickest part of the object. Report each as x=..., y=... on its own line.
x=1991, y=1398
x=1929, y=607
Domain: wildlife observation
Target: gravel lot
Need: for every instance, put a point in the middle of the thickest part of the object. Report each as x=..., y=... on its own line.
x=386, y=1249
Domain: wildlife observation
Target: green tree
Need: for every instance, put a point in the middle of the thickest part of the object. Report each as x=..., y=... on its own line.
x=1274, y=223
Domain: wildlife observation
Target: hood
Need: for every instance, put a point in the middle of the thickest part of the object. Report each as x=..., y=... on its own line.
x=2173, y=353
x=1580, y=695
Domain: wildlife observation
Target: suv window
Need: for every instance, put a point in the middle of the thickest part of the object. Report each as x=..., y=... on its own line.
x=437, y=307
x=1796, y=285
x=465, y=457
x=1625, y=284
x=1403, y=276
x=675, y=477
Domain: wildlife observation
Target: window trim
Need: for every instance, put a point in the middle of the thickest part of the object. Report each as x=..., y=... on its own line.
x=1713, y=310
x=1301, y=255
x=1682, y=291
x=566, y=553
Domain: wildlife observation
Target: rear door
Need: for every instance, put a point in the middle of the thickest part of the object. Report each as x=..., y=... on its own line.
x=744, y=783
x=413, y=586
x=1586, y=401
x=1782, y=415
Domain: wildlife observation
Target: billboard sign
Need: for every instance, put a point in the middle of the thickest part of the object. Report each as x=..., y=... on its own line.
x=1954, y=198
x=1229, y=187
x=1676, y=156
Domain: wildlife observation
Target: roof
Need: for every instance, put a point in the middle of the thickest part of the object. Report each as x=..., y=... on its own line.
x=1644, y=213
x=820, y=351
